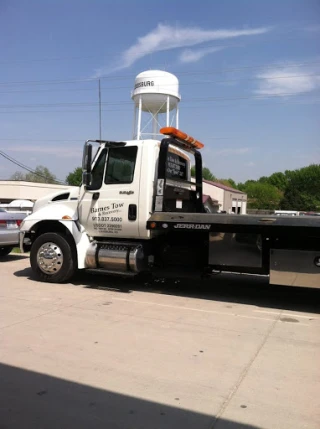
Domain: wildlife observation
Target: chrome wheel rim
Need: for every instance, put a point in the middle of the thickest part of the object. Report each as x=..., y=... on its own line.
x=50, y=258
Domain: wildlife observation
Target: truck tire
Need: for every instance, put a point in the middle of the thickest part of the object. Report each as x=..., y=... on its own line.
x=5, y=250
x=53, y=258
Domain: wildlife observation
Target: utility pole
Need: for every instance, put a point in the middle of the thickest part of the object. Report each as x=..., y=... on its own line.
x=100, y=134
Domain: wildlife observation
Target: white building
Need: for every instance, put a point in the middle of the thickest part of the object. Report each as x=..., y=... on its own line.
x=19, y=190
x=230, y=200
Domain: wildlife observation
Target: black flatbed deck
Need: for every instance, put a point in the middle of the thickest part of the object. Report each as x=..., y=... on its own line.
x=233, y=223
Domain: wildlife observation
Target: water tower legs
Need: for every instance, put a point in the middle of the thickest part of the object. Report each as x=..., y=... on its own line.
x=177, y=117
x=139, y=119
x=155, y=125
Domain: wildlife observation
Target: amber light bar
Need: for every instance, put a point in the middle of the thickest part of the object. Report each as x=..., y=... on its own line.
x=173, y=132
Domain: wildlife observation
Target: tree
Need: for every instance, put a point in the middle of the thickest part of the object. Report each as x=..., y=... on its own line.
x=228, y=182
x=263, y=196
x=206, y=174
x=18, y=175
x=241, y=187
x=279, y=180
x=263, y=179
x=302, y=191
x=75, y=177
x=41, y=174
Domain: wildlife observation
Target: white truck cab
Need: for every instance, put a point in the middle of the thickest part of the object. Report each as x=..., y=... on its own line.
x=121, y=189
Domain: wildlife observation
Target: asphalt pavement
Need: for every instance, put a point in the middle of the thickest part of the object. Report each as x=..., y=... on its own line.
x=100, y=352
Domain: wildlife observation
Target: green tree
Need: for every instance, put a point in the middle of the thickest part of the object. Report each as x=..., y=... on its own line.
x=206, y=174
x=41, y=174
x=75, y=177
x=302, y=192
x=263, y=179
x=279, y=180
x=263, y=196
x=228, y=182
x=241, y=187
x=18, y=175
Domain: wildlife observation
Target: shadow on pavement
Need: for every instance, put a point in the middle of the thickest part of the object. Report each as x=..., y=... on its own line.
x=230, y=288
x=26, y=272
x=31, y=400
x=13, y=257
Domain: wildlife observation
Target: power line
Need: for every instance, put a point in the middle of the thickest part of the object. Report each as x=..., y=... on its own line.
x=278, y=98
x=173, y=84
x=114, y=110
x=24, y=167
x=18, y=91
x=254, y=97
x=43, y=140
x=125, y=102
x=80, y=140
x=180, y=73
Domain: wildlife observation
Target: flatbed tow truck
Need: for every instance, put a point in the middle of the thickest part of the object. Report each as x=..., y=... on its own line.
x=138, y=211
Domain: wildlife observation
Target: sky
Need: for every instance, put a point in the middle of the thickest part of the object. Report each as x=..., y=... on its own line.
x=249, y=74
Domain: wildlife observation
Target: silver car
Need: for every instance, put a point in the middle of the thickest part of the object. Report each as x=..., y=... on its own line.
x=9, y=231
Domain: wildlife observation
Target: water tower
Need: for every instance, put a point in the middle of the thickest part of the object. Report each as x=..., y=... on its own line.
x=156, y=98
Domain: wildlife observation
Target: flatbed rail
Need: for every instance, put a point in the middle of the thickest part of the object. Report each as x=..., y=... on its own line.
x=236, y=223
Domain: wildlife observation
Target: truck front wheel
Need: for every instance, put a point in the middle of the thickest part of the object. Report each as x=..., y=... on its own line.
x=52, y=258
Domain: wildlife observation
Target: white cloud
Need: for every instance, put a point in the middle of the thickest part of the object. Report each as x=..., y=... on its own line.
x=286, y=81
x=165, y=37
x=193, y=55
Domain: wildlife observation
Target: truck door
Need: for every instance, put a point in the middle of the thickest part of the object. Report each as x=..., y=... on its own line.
x=109, y=206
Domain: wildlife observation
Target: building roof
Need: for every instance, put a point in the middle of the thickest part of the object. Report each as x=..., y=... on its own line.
x=206, y=198
x=224, y=187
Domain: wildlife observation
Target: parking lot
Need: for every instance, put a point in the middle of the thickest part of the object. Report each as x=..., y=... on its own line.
x=115, y=353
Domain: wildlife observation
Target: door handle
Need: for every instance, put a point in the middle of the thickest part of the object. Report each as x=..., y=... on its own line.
x=132, y=212
x=96, y=196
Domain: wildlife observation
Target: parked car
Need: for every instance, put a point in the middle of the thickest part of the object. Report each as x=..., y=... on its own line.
x=9, y=231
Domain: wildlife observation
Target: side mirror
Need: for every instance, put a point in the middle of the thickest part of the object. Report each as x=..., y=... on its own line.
x=86, y=165
x=87, y=158
x=86, y=178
